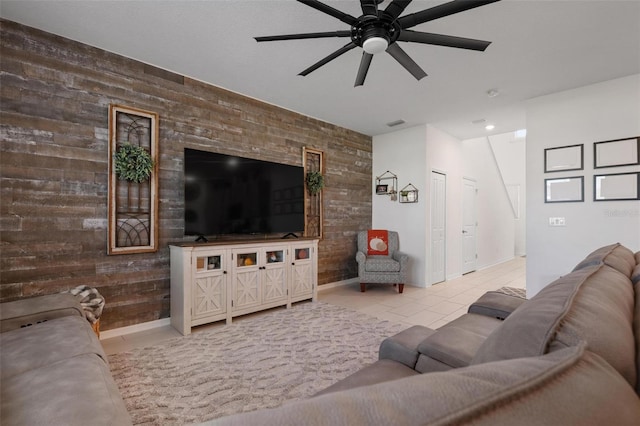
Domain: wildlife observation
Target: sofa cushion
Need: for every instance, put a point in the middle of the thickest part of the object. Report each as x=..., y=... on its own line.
x=403, y=347
x=636, y=332
x=594, y=304
x=635, y=275
x=66, y=337
x=35, y=310
x=616, y=255
x=496, y=304
x=568, y=387
x=381, y=264
x=380, y=371
x=456, y=343
x=74, y=391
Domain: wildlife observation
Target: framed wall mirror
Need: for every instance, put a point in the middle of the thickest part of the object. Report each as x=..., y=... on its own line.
x=615, y=153
x=564, y=158
x=564, y=190
x=616, y=187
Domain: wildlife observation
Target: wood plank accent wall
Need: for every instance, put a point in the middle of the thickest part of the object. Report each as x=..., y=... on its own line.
x=54, y=99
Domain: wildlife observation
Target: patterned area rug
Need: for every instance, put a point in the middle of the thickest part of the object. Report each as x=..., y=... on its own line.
x=257, y=362
x=513, y=291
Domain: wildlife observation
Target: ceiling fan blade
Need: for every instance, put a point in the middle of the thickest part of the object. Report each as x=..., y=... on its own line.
x=396, y=7
x=345, y=33
x=440, y=11
x=363, y=69
x=347, y=19
x=344, y=49
x=404, y=59
x=369, y=7
x=443, y=40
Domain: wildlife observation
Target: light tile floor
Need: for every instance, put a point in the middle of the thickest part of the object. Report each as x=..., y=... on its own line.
x=432, y=307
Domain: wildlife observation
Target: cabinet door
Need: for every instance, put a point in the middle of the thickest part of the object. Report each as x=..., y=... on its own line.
x=209, y=296
x=209, y=291
x=246, y=283
x=302, y=269
x=274, y=276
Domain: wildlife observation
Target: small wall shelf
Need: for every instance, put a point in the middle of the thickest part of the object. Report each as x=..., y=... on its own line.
x=387, y=184
x=409, y=194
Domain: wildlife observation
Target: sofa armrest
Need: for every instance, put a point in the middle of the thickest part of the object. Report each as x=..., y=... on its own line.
x=496, y=305
x=400, y=257
x=403, y=347
x=26, y=312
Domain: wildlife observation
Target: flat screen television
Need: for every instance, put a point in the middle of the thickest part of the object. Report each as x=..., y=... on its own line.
x=225, y=194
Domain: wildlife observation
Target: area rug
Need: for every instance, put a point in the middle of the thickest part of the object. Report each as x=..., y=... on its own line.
x=259, y=361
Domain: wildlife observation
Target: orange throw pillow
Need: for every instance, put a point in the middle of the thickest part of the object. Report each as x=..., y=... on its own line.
x=378, y=242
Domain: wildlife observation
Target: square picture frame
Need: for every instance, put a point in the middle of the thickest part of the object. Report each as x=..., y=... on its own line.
x=616, y=187
x=616, y=153
x=382, y=189
x=564, y=190
x=564, y=158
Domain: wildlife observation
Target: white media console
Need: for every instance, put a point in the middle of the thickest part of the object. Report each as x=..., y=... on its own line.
x=220, y=280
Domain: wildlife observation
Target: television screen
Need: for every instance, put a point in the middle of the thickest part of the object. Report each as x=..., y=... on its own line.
x=224, y=194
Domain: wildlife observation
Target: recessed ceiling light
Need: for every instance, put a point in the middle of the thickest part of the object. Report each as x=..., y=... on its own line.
x=492, y=93
x=489, y=127
x=478, y=121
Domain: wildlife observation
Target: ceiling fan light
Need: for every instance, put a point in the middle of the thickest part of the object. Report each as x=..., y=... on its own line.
x=374, y=45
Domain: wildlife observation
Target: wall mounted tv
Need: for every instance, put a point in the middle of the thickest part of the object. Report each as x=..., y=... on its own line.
x=226, y=195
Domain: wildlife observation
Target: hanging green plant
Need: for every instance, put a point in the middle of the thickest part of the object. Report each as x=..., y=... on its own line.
x=133, y=163
x=315, y=182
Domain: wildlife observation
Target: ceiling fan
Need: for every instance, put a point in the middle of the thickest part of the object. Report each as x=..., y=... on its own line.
x=378, y=30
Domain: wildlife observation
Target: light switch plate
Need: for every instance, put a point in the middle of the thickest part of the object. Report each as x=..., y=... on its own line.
x=557, y=221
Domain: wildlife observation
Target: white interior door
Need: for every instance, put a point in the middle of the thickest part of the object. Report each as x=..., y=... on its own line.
x=438, y=223
x=469, y=225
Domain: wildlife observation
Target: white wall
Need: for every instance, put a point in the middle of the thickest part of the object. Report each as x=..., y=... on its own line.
x=495, y=233
x=600, y=112
x=509, y=151
x=404, y=154
x=444, y=154
x=412, y=154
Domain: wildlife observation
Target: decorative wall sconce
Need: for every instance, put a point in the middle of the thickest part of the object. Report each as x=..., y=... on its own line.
x=387, y=184
x=409, y=194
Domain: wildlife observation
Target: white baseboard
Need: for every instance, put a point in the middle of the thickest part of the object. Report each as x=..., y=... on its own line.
x=116, y=332
x=338, y=284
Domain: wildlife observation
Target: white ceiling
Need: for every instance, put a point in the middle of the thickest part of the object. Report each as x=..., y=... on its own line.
x=538, y=47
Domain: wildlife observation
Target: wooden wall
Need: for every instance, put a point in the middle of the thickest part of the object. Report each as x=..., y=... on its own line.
x=54, y=99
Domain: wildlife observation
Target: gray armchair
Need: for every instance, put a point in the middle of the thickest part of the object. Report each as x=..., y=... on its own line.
x=390, y=269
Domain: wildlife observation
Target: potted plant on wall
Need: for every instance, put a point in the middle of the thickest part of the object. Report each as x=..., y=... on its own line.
x=133, y=163
x=315, y=182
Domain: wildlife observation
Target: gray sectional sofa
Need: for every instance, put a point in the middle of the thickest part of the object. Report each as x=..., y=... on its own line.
x=53, y=368
x=568, y=356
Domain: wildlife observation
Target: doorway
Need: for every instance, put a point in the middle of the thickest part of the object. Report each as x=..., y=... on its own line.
x=469, y=225
x=438, y=226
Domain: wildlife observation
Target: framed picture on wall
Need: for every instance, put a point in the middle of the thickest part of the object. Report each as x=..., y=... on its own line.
x=564, y=158
x=382, y=189
x=615, y=153
x=616, y=187
x=564, y=190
